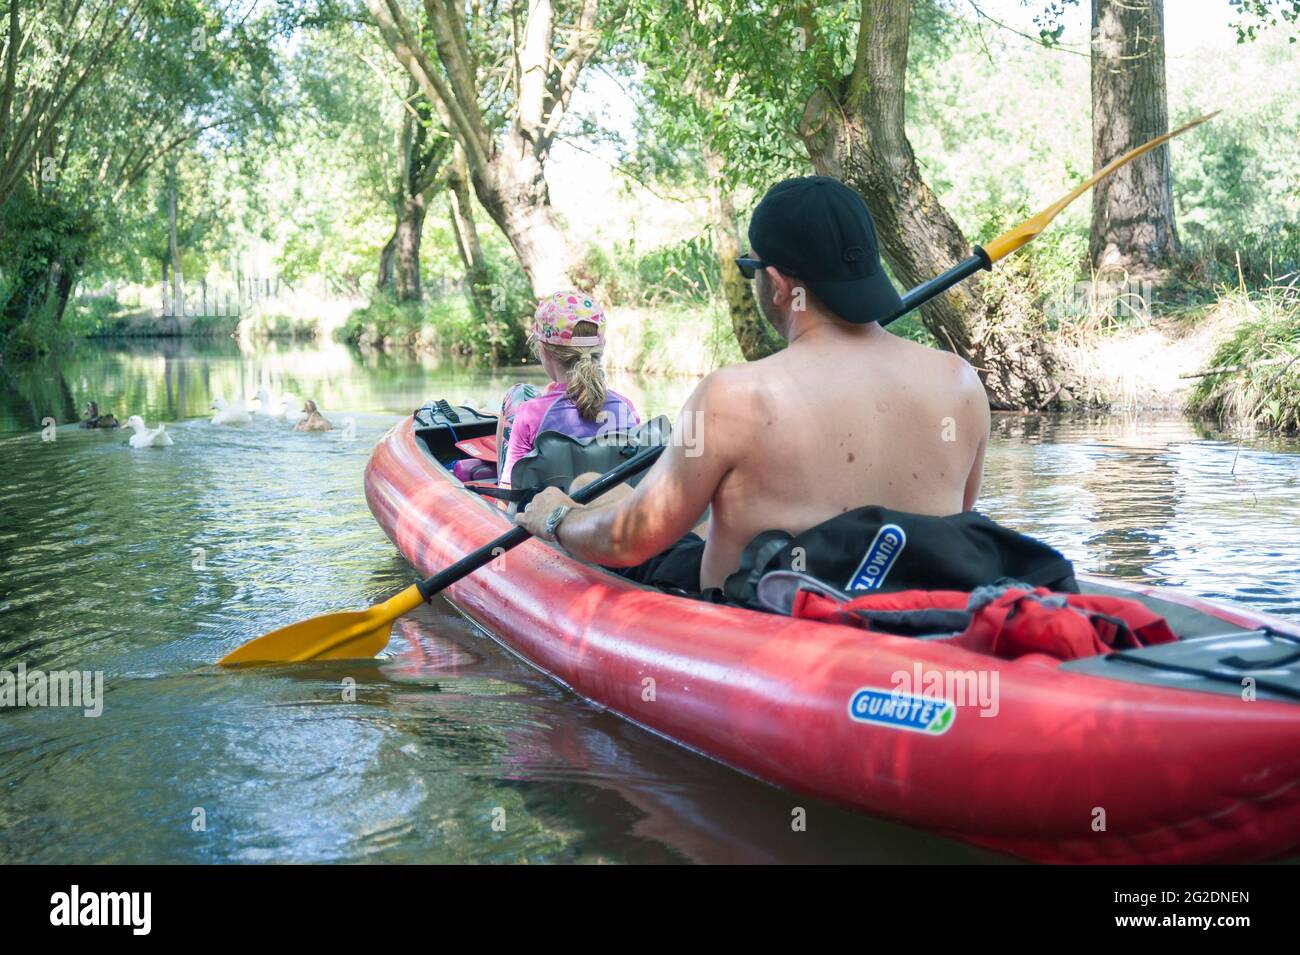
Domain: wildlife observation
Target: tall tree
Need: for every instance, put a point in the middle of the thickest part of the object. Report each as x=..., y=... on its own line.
x=422, y=152
x=465, y=233
x=754, y=335
x=94, y=96
x=503, y=78
x=1133, y=225
x=855, y=132
x=51, y=52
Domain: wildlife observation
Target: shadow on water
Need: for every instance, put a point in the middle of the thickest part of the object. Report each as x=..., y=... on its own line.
x=149, y=565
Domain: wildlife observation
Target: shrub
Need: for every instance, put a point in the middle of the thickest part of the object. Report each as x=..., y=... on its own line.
x=1259, y=380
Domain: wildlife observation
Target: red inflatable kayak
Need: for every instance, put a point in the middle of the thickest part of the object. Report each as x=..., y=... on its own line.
x=1160, y=755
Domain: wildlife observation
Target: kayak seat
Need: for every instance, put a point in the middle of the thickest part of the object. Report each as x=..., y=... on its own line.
x=557, y=458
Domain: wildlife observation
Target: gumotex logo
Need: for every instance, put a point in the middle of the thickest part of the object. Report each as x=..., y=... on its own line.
x=902, y=711
x=879, y=558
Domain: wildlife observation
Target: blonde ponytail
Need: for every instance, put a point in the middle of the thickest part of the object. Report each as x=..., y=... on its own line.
x=583, y=373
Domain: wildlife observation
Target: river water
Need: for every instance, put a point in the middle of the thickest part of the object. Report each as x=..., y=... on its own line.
x=148, y=565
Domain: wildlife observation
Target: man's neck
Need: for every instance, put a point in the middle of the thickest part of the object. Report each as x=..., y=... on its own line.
x=813, y=324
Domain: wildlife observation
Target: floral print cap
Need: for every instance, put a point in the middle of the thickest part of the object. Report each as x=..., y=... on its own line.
x=557, y=314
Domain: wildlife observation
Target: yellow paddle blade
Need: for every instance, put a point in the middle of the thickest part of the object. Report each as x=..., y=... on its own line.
x=335, y=636
x=1008, y=242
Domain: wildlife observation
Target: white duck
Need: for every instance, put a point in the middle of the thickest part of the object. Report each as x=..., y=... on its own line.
x=282, y=408
x=229, y=414
x=291, y=411
x=144, y=438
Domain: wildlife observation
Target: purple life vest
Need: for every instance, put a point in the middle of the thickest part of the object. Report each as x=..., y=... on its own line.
x=615, y=415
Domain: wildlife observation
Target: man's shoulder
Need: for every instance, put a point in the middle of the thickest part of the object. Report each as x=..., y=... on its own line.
x=728, y=376
x=939, y=361
x=744, y=384
x=728, y=403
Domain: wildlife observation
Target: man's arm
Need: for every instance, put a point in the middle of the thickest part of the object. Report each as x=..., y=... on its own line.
x=981, y=418
x=662, y=508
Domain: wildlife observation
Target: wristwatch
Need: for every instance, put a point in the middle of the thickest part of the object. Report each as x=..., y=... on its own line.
x=553, y=521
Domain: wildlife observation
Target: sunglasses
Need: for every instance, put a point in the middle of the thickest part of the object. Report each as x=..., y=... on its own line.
x=750, y=267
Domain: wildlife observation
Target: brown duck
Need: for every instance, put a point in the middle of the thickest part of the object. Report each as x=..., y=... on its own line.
x=93, y=419
x=315, y=421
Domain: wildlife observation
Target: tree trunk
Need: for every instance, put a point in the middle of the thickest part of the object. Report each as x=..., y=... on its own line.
x=1133, y=226
x=857, y=135
x=410, y=225
x=756, y=338
x=514, y=193
x=173, y=252
x=468, y=245
x=387, y=255
x=65, y=278
x=507, y=169
x=418, y=166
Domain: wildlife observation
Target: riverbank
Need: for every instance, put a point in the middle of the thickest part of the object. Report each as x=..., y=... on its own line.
x=1148, y=363
x=1235, y=363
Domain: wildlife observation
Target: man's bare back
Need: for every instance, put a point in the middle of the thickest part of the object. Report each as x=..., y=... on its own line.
x=844, y=417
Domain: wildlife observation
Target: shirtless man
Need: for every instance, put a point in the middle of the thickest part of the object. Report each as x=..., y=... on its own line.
x=845, y=416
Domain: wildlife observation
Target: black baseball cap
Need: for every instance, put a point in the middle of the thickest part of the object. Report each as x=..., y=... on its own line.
x=817, y=229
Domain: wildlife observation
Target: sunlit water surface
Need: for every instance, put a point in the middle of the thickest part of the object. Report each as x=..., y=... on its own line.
x=148, y=565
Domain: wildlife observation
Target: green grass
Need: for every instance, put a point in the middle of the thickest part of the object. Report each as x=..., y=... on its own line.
x=1265, y=394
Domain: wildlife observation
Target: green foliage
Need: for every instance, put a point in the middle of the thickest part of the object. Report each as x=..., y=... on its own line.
x=1235, y=181
x=722, y=72
x=682, y=274
x=447, y=324
x=263, y=323
x=326, y=184
x=287, y=152
x=1050, y=18
x=122, y=96
x=98, y=315
x=675, y=338
x=994, y=160
x=1264, y=349
x=1259, y=15
x=42, y=235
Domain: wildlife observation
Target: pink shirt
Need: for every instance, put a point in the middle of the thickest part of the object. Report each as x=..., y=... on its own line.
x=523, y=433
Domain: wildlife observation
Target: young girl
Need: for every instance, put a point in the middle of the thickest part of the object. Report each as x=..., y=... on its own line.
x=568, y=336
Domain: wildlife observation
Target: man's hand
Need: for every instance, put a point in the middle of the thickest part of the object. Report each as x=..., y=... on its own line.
x=534, y=516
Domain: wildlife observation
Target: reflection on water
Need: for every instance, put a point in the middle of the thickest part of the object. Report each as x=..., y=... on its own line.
x=1165, y=501
x=148, y=565
x=172, y=379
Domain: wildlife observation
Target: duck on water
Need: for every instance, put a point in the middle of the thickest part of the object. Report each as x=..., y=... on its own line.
x=93, y=419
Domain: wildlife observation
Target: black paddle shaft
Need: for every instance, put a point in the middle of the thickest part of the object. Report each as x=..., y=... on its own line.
x=513, y=538
x=978, y=259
